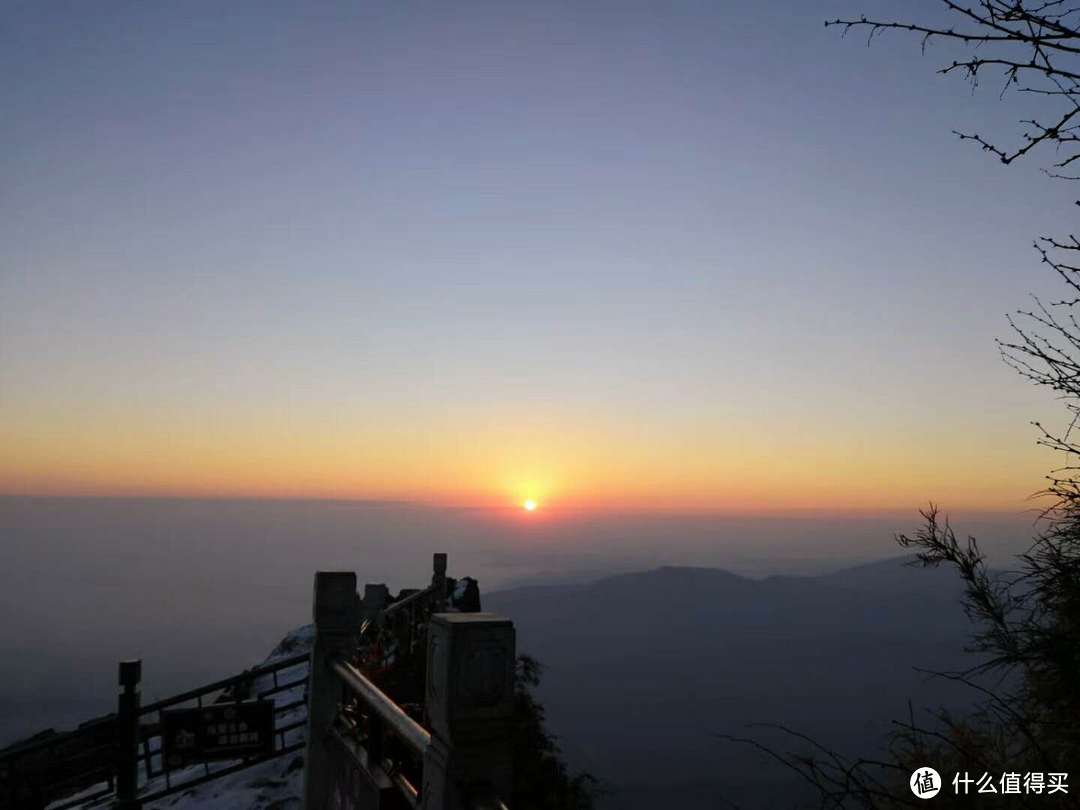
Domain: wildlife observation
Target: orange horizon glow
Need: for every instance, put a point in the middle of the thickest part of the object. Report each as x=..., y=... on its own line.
x=565, y=463
x=729, y=497
x=569, y=509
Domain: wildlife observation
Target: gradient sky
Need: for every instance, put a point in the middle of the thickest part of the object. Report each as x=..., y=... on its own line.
x=687, y=255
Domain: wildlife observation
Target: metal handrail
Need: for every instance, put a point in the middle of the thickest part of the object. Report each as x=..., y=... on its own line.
x=412, y=733
x=224, y=683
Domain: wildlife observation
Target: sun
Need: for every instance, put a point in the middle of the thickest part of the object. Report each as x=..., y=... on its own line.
x=529, y=505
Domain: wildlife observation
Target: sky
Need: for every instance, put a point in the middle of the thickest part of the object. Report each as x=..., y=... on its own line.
x=687, y=256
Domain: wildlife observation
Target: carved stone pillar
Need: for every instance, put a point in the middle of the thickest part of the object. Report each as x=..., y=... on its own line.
x=470, y=709
x=336, y=614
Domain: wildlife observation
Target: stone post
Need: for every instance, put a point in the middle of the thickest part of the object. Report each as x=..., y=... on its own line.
x=376, y=598
x=470, y=709
x=438, y=579
x=336, y=615
x=127, y=736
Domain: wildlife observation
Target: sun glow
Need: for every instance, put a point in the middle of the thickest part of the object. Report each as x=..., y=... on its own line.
x=529, y=505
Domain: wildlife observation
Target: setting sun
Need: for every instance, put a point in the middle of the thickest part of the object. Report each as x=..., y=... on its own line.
x=529, y=505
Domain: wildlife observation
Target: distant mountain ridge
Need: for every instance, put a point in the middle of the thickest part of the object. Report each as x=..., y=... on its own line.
x=898, y=571
x=651, y=666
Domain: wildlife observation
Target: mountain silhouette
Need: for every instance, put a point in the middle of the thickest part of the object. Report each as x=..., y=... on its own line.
x=645, y=671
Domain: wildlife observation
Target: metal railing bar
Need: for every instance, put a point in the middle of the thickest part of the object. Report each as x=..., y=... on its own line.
x=416, y=736
x=291, y=726
x=147, y=756
x=217, y=686
x=288, y=707
x=284, y=663
x=284, y=687
x=408, y=790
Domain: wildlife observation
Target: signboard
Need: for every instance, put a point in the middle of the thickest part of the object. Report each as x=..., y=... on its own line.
x=216, y=732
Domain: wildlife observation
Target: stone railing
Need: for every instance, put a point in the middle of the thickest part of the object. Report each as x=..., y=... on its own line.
x=366, y=752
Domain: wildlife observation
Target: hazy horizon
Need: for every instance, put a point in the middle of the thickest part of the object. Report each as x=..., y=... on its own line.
x=200, y=589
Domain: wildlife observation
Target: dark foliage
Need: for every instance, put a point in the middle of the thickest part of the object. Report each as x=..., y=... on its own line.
x=541, y=778
x=1031, y=46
